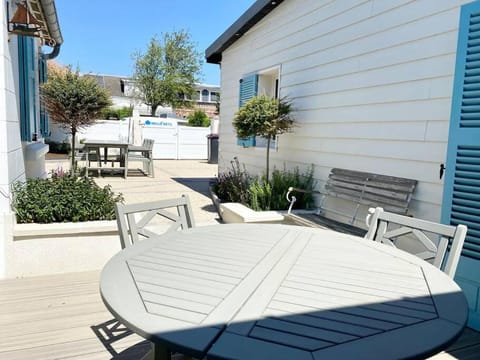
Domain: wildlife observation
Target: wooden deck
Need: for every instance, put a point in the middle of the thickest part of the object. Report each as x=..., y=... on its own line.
x=63, y=317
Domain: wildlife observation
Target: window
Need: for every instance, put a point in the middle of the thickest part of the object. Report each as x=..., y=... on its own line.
x=213, y=96
x=205, y=95
x=265, y=82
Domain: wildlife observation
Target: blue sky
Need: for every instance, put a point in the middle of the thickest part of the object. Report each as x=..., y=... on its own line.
x=101, y=36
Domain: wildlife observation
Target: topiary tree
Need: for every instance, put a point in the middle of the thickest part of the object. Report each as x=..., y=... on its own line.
x=73, y=101
x=266, y=117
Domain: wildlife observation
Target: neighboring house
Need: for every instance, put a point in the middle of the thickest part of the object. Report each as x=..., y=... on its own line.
x=372, y=84
x=123, y=91
x=23, y=121
x=206, y=100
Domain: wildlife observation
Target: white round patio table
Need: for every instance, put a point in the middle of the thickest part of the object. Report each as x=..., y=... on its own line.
x=257, y=291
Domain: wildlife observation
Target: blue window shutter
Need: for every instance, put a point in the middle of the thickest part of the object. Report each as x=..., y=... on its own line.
x=461, y=198
x=248, y=142
x=43, y=77
x=248, y=89
x=27, y=86
x=461, y=192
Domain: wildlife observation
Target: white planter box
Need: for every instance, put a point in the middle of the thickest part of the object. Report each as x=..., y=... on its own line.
x=238, y=213
x=40, y=249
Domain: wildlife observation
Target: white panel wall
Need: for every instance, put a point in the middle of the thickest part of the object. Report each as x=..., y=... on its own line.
x=371, y=82
x=11, y=155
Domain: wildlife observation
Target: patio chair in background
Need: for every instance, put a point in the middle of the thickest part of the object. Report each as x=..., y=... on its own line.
x=409, y=234
x=133, y=219
x=145, y=155
x=81, y=155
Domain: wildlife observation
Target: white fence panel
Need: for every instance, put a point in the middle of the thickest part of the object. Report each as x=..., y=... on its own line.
x=100, y=130
x=106, y=130
x=171, y=141
x=164, y=133
x=165, y=140
x=193, y=142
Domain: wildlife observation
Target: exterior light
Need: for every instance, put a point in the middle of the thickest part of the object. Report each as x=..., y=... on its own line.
x=23, y=22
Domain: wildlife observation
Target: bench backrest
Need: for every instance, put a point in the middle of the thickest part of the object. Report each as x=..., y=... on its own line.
x=374, y=190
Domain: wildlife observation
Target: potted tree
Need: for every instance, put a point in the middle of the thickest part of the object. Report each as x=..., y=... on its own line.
x=266, y=117
x=72, y=100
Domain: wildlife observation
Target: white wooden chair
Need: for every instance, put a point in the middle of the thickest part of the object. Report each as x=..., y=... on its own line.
x=145, y=156
x=408, y=234
x=133, y=219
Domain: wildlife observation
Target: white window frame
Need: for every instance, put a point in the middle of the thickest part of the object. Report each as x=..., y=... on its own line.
x=272, y=89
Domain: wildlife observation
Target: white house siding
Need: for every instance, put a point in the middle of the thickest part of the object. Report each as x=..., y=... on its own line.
x=371, y=81
x=11, y=155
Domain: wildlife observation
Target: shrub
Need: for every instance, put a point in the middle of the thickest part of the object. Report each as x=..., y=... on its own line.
x=237, y=185
x=233, y=185
x=63, y=198
x=261, y=193
x=280, y=182
x=199, y=119
x=117, y=114
x=58, y=147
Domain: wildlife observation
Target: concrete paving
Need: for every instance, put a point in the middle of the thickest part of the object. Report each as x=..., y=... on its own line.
x=172, y=179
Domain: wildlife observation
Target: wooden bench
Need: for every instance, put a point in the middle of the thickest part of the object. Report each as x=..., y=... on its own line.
x=359, y=188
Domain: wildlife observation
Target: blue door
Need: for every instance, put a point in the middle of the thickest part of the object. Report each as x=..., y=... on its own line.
x=461, y=198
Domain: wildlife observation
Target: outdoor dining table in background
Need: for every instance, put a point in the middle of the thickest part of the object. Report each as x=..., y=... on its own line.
x=257, y=291
x=94, y=146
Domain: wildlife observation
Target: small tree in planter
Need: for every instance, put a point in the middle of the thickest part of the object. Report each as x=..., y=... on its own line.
x=266, y=117
x=73, y=101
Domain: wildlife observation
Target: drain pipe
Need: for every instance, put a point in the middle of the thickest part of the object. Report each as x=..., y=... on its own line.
x=50, y=13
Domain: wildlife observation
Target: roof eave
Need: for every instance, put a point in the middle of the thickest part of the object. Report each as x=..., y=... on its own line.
x=46, y=13
x=250, y=18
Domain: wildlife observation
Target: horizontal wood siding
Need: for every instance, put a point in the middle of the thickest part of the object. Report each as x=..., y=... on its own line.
x=371, y=82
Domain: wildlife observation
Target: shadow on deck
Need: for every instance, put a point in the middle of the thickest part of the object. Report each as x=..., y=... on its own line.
x=62, y=317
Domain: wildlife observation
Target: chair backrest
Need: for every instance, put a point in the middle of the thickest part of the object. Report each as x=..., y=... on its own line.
x=389, y=228
x=148, y=143
x=133, y=219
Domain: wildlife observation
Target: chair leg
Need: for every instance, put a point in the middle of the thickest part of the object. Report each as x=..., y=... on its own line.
x=152, y=168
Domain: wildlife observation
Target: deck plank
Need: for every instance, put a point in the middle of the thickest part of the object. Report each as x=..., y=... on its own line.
x=54, y=317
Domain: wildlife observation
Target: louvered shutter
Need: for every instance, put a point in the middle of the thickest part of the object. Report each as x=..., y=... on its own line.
x=248, y=89
x=462, y=182
x=43, y=77
x=27, y=89
x=461, y=198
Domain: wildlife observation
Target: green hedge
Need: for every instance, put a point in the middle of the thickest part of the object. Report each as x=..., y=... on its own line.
x=63, y=198
x=58, y=147
x=116, y=114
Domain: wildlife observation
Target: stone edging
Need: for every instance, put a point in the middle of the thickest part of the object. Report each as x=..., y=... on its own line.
x=25, y=231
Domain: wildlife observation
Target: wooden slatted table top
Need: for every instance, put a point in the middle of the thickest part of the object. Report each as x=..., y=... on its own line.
x=256, y=291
